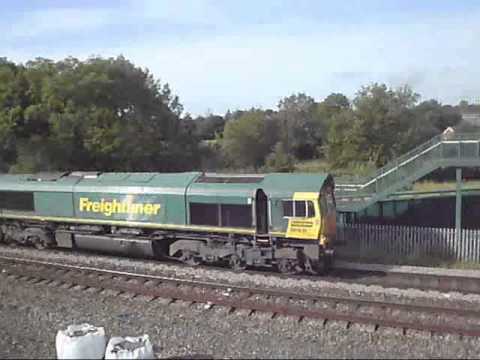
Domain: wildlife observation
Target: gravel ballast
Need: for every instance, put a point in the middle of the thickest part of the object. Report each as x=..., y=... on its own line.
x=315, y=285
x=31, y=314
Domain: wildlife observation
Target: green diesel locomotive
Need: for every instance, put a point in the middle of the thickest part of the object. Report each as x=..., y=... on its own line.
x=280, y=220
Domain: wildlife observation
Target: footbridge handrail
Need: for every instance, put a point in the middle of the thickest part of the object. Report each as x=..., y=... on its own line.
x=413, y=154
x=451, y=149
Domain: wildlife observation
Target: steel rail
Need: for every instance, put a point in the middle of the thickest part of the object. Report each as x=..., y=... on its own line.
x=347, y=275
x=237, y=297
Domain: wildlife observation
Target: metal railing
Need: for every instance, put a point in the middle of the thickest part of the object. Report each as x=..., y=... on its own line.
x=442, y=150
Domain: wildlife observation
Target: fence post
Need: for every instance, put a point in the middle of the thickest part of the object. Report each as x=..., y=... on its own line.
x=458, y=205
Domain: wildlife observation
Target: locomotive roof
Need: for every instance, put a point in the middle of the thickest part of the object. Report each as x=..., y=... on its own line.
x=206, y=184
x=274, y=184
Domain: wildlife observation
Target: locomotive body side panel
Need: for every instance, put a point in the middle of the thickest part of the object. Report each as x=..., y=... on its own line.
x=156, y=199
x=57, y=204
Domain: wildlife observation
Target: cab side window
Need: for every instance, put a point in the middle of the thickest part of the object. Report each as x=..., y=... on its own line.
x=287, y=208
x=298, y=208
x=310, y=209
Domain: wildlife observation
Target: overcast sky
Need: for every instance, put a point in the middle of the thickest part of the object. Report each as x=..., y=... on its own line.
x=233, y=54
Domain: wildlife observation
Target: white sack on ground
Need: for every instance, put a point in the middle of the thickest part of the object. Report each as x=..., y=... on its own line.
x=129, y=348
x=82, y=341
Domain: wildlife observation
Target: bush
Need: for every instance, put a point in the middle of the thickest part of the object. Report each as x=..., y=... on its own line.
x=279, y=160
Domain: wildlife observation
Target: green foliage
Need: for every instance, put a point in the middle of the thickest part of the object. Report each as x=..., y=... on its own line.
x=341, y=144
x=208, y=127
x=296, y=119
x=331, y=106
x=383, y=120
x=432, y=118
x=100, y=113
x=248, y=139
x=280, y=160
x=381, y=125
x=109, y=115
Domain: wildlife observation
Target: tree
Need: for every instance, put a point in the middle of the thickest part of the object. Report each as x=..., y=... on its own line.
x=98, y=114
x=280, y=160
x=295, y=115
x=208, y=127
x=378, y=128
x=248, y=139
x=341, y=150
x=325, y=112
x=13, y=101
x=437, y=115
x=383, y=120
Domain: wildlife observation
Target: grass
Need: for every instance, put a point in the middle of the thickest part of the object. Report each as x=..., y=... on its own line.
x=314, y=165
x=447, y=185
x=321, y=165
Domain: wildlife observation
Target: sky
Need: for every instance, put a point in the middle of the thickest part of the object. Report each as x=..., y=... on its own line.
x=230, y=54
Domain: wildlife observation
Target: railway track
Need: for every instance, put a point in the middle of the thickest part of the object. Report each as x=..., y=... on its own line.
x=363, y=275
x=349, y=310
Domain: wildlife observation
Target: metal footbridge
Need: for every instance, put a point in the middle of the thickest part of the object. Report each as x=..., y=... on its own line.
x=445, y=150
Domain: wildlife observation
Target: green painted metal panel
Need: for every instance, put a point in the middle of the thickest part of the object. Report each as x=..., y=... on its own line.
x=22, y=183
x=221, y=190
x=113, y=177
x=175, y=212
x=53, y=204
x=372, y=210
x=274, y=185
x=212, y=199
x=389, y=210
x=155, y=197
x=138, y=183
x=278, y=222
x=286, y=184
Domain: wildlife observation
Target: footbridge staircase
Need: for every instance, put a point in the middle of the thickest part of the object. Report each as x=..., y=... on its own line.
x=446, y=150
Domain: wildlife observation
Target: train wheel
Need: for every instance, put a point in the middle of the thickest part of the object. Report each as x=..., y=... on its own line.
x=38, y=242
x=309, y=268
x=327, y=264
x=287, y=266
x=8, y=241
x=190, y=258
x=236, y=263
x=10, y=234
x=39, y=239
